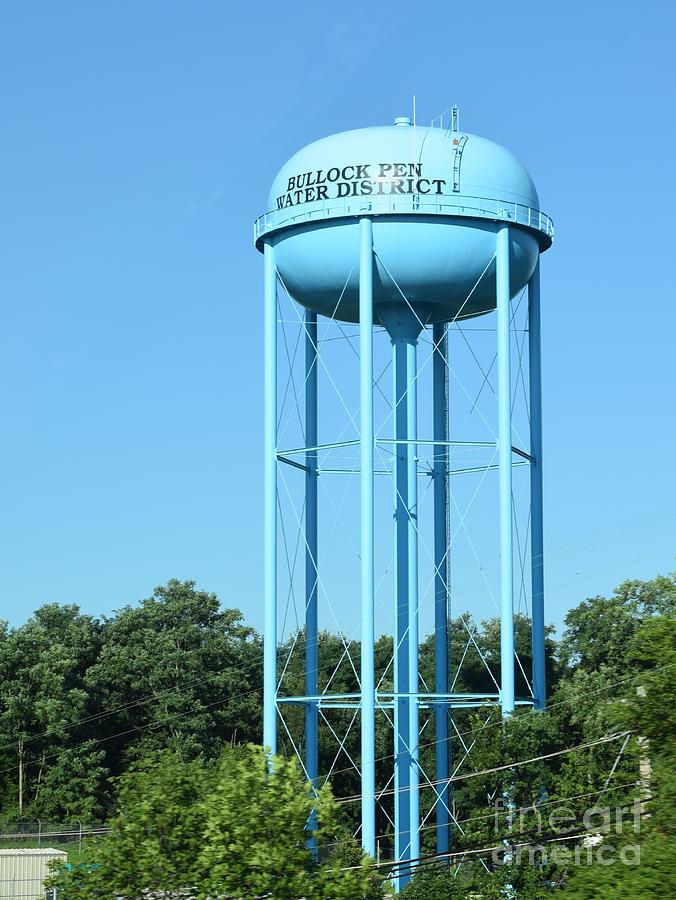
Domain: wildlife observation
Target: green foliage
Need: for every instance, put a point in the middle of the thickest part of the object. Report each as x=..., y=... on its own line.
x=653, y=878
x=599, y=630
x=178, y=665
x=436, y=884
x=234, y=828
x=255, y=838
x=42, y=670
x=81, y=699
x=165, y=693
x=472, y=882
x=648, y=710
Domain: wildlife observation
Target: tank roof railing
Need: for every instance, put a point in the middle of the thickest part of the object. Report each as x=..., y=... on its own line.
x=441, y=205
x=453, y=114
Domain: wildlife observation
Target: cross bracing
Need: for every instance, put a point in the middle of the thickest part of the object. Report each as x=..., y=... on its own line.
x=319, y=566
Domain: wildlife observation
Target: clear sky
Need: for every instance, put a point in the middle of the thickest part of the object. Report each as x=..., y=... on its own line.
x=138, y=141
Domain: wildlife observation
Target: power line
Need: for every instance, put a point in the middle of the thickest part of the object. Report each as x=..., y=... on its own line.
x=227, y=700
x=110, y=737
x=107, y=712
x=409, y=865
x=512, y=812
x=520, y=715
x=503, y=768
x=504, y=846
x=173, y=691
x=148, y=698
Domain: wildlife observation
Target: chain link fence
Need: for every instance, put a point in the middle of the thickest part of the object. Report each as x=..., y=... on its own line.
x=40, y=833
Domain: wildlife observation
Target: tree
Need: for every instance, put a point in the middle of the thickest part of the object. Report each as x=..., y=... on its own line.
x=180, y=670
x=43, y=665
x=648, y=710
x=435, y=884
x=255, y=838
x=235, y=828
x=599, y=630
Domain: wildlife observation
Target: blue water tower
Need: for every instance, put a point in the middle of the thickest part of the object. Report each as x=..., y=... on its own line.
x=411, y=229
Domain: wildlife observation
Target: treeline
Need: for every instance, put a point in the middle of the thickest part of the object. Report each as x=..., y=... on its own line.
x=142, y=720
x=82, y=699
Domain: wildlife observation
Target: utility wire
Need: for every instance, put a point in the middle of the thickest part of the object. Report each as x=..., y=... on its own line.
x=511, y=765
x=530, y=711
x=148, y=698
x=110, y=737
x=510, y=812
x=106, y=712
x=225, y=701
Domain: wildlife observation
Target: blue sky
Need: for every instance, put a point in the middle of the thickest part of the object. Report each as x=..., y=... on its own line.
x=138, y=143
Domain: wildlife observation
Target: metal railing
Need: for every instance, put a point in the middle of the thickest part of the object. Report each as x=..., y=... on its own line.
x=408, y=204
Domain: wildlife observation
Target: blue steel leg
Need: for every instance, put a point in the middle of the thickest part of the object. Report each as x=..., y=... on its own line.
x=404, y=327
x=402, y=755
x=440, y=425
x=270, y=488
x=413, y=677
x=311, y=649
x=368, y=688
x=505, y=472
x=536, y=540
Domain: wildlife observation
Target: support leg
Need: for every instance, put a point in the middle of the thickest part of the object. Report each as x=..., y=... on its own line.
x=536, y=540
x=441, y=567
x=368, y=827
x=505, y=472
x=413, y=675
x=404, y=327
x=311, y=649
x=270, y=488
x=402, y=742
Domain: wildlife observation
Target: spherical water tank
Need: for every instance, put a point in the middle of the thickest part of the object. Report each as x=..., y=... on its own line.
x=436, y=197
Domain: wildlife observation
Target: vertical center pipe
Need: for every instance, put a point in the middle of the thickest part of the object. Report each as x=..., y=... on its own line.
x=311, y=625
x=402, y=743
x=404, y=326
x=413, y=676
x=537, y=537
x=270, y=504
x=366, y=452
x=503, y=296
x=441, y=567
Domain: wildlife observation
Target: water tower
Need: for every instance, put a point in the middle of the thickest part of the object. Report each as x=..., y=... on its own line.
x=407, y=231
